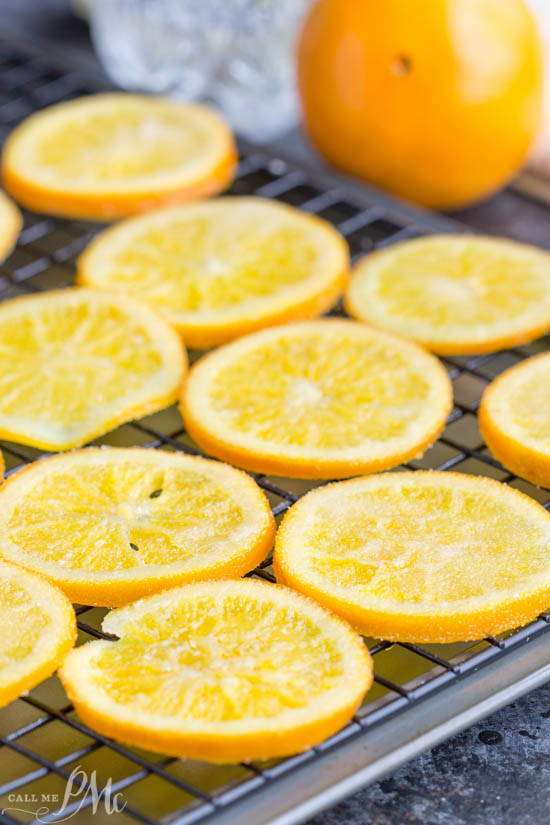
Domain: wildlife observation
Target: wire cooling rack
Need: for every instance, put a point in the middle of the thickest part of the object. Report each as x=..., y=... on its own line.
x=41, y=738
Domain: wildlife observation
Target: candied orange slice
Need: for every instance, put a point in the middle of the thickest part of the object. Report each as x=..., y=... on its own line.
x=455, y=294
x=515, y=421
x=419, y=556
x=76, y=362
x=222, y=671
x=108, y=155
x=110, y=525
x=10, y=225
x=37, y=630
x=221, y=268
x=317, y=399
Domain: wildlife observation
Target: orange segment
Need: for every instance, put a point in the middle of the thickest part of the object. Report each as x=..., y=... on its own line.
x=222, y=671
x=37, y=630
x=515, y=422
x=109, y=155
x=318, y=399
x=11, y=222
x=111, y=525
x=419, y=557
x=222, y=268
x=455, y=294
x=75, y=363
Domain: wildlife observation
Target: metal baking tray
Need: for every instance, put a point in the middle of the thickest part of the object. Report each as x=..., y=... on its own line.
x=422, y=694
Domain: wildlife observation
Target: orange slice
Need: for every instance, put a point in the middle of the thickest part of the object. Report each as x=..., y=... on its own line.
x=111, y=525
x=419, y=556
x=109, y=155
x=222, y=268
x=455, y=294
x=223, y=671
x=515, y=421
x=76, y=363
x=316, y=399
x=37, y=630
x=11, y=222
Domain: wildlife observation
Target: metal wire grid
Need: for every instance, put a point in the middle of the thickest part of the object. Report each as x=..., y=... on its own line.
x=41, y=739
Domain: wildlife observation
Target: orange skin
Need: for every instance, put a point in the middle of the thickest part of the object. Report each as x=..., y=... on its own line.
x=439, y=105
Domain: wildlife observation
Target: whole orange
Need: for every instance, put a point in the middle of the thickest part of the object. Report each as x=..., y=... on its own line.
x=436, y=100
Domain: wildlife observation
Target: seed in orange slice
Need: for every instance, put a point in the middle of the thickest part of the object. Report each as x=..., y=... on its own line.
x=111, y=525
x=108, y=155
x=455, y=294
x=514, y=419
x=419, y=556
x=221, y=268
x=316, y=399
x=37, y=630
x=76, y=362
x=222, y=671
x=10, y=225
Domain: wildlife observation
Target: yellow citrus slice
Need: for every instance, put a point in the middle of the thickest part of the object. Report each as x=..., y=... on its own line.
x=514, y=418
x=455, y=294
x=221, y=268
x=420, y=556
x=37, y=630
x=316, y=399
x=108, y=155
x=10, y=225
x=223, y=671
x=111, y=525
x=76, y=363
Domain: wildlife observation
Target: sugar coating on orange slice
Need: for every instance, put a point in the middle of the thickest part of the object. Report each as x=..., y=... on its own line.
x=455, y=294
x=222, y=671
x=419, y=556
x=221, y=268
x=109, y=155
x=317, y=399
